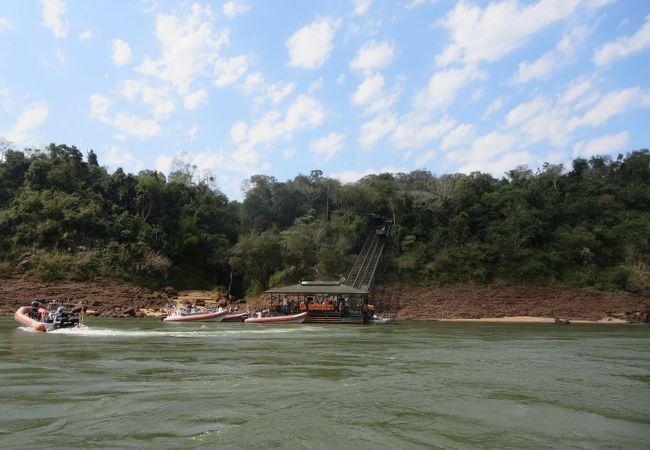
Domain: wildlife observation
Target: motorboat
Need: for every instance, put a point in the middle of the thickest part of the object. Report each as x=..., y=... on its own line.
x=235, y=317
x=53, y=318
x=291, y=318
x=179, y=315
x=381, y=320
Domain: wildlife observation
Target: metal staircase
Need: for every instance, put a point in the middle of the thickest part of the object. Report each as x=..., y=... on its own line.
x=363, y=272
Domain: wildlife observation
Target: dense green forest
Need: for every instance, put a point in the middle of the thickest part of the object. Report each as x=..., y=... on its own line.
x=62, y=215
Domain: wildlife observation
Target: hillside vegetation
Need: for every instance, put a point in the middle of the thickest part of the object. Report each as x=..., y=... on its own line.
x=64, y=216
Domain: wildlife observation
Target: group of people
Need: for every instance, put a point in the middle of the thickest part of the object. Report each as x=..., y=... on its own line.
x=52, y=316
x=286, y=306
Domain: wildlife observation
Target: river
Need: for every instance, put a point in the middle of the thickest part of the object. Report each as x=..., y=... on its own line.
x=140, y=384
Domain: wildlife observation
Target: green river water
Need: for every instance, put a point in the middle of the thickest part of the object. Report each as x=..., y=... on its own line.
x=141, y=384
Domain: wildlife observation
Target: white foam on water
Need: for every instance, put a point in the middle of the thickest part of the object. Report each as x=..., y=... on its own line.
x=204, y=331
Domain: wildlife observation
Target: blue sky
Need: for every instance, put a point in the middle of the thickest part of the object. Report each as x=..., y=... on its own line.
x=349, y=87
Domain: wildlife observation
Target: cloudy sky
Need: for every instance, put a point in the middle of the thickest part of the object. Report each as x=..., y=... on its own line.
x=349, y=87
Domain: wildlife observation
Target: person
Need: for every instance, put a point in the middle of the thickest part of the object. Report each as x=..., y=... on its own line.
x=58, y=315
x=33, y=313
x=285, y=305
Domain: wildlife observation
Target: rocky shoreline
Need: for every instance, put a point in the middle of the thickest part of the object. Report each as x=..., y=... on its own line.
x=111, y=298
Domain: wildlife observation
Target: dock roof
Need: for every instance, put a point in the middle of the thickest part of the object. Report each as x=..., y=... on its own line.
x=316, y=288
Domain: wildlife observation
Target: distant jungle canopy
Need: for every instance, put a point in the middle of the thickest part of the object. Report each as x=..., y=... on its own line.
x=62, y=215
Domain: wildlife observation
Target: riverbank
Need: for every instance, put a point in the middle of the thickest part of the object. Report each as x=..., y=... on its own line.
x=512, y=303
x=111, y=298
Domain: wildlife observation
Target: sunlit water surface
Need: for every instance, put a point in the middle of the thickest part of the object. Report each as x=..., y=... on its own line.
x=141, y=384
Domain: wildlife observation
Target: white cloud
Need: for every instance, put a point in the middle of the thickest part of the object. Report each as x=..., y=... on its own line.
x=310, y=46
x=260, y=90
x=157, y=98
x=414, y=4
x=53, y=10
x=193, y=100
x=164, y=163
x=315, y=86
x=370, y=94
x=189, y=63
x=555, y=120
x=423, y=159
x=340, y=79
x=372, y=56
x=234, y=8
x=500, y=165
x=238, y=132
x=525, y=111
x=488, y=34
x=230, y=70
x=624, y=46
x=289, y=153
x=351, y=176
x=444, y=85
x=31, y=118
x=606, y=144
x=539, y=69
x=544, y=66
x=59, y=54
x=193, y=131
x=538, y=120
x=5, y=25
x=5, y=94
x=305, y=112
x=458, y=136
x=413, y=131
x=133, y=125
x=254, y=81
x=492, y=153
x=190, y=49
x=276, y=92
x=493, y=107
x=607, y=107
x=99, y=105
x=121, y=52
x=577, y=90
x=117, y=158
x=361, y=7
x=86, y=35
x=376, y=129
x=328, y=146
x=251, y=141
x=125, y=123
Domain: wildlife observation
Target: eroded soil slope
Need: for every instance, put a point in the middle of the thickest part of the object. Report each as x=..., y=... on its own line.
x=112, y=298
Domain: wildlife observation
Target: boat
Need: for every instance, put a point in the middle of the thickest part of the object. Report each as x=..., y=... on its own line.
x=235, y=317
x=180, y=315
x=381, y=320
x=50, y=319
x=291, y=318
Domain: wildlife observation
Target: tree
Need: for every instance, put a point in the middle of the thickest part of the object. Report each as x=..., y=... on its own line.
x=258, y=256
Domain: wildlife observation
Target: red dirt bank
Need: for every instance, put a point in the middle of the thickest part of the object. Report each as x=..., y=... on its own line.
x=452, y=302
x=110, y=298
x=107, y=298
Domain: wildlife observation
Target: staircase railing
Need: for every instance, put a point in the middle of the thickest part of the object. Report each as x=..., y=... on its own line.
x=363, y=271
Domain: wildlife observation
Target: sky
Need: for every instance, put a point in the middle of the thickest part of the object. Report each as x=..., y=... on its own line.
x=348, y=87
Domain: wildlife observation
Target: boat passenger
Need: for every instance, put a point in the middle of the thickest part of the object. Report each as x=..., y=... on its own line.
x=58, y=315
x=285, y=305
x=33, y=313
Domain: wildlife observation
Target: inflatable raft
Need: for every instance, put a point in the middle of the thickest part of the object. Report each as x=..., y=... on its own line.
x=292, y=318
x=207, y=316
x=43, y=320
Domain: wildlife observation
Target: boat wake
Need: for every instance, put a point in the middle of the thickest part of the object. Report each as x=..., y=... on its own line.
x=203, y=331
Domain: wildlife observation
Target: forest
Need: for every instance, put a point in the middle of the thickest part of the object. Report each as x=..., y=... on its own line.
x=64, y=216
